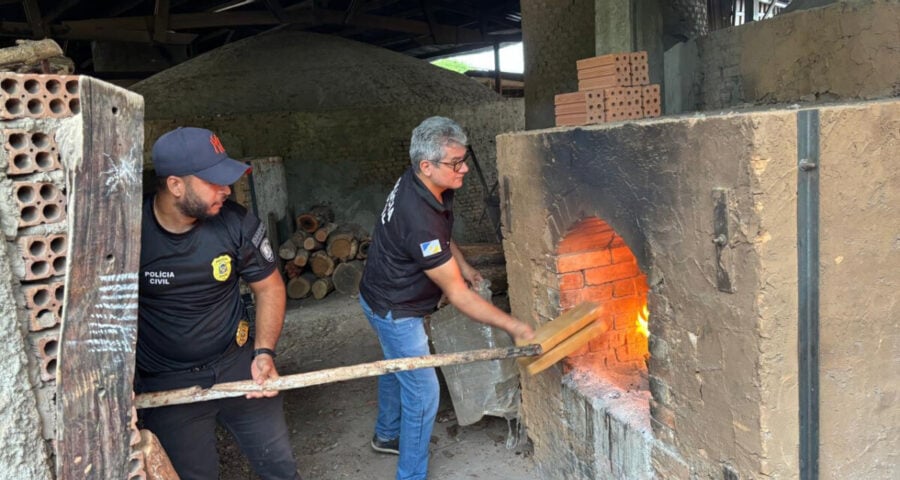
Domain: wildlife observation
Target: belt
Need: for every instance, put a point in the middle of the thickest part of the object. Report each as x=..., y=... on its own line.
x=232, y=347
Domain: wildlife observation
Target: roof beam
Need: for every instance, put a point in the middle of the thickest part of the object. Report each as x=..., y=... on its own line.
x=60, y=9
x=139, y=28
x=97, y=32
x=352, y=9
x=275, y=7
x=33, y=16
x=160, y=20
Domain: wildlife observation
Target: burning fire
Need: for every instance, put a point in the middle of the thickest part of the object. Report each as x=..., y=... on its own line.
x=642, y=321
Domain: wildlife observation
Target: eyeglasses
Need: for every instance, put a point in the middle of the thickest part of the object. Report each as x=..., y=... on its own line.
x=456, y=166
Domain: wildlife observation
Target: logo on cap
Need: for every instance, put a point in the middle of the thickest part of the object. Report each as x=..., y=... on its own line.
x=216, y=143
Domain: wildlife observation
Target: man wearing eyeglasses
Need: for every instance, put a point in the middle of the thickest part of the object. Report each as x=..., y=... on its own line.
x=412, y=262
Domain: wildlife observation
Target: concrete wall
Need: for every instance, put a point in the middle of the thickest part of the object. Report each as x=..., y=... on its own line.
x=723, y=366
x=351, y=159
x=860, y=307
x=843, y=51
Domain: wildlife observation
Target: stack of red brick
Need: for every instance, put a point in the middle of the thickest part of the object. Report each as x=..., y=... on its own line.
x=611, y=88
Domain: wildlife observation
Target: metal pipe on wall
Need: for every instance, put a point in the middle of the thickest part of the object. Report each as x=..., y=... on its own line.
x=808, y=290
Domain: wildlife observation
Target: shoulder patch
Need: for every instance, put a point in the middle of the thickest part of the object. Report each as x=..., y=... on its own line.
x=430, y=248
x=266, y=250
x=258, y=235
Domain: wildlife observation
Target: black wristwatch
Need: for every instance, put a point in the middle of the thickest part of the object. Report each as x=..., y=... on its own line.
x=260, y=351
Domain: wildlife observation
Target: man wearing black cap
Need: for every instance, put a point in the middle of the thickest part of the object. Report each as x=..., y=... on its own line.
x=192, y=328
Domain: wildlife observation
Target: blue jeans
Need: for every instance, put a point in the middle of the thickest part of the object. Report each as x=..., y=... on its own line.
x=407, y=401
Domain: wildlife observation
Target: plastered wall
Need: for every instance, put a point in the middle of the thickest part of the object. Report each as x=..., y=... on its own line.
x=723, y=367
x=843, y=51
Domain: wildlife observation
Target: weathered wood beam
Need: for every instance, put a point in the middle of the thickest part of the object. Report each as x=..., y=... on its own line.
x=95, y=32
x=160, y=21
x=275, y=7
x=371, y=5
x=99, y=326
x=352, y=8
x=59, y=9
x=429, y=16
x=138, y=29
x=33, y=17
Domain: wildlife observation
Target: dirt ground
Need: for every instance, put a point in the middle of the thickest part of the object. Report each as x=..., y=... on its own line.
x=331, y=425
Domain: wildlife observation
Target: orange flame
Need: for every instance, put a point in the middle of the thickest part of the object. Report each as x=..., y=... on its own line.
x=642, y=324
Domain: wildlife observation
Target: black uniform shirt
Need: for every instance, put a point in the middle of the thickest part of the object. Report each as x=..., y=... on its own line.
x=411, y=236
x=189, y=303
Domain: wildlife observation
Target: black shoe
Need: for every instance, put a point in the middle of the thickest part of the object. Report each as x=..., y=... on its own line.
x=386, y=446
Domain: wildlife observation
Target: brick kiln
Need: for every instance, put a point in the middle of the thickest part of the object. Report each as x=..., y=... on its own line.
x=750, y=236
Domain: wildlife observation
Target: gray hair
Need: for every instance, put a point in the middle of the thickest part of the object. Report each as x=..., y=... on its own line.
x=430, y=138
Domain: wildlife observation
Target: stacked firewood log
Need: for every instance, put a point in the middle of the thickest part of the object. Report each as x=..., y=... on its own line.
x=322, y=256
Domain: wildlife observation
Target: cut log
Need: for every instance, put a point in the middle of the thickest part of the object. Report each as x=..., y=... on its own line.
x=298, y=237
x=343, y=243
x=321, y=264
x=291, y=270
x=287, y=250
x=312, y=244
x=343, y=247
x=347, y=276
x=322, y=287
x=362, y=252
x=315, y=218
x=301, y=286
x=323, y=232
x=302, y=257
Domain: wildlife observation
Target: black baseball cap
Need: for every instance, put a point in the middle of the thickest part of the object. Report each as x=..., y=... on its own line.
x=198, y=152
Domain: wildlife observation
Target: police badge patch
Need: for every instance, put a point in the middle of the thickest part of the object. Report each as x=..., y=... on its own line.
x=221, y=267
x=243, y=332
x=266, y=250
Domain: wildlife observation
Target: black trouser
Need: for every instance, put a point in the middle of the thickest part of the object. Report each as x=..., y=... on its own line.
x=188, y=432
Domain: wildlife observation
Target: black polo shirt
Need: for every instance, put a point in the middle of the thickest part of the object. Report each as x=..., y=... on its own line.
x=189, y=300
x=411, y=236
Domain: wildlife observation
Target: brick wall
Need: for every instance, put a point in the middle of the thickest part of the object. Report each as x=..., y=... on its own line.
x=594, y=264
x=33, y=109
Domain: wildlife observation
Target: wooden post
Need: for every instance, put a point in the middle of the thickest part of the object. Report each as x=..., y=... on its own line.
x=99, y=324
